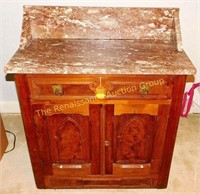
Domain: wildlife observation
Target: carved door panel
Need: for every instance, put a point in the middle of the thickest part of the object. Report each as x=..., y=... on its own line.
x=69, y=138
x=133, y=141
x=133, y=137
x=71, y=142
x=136, y=141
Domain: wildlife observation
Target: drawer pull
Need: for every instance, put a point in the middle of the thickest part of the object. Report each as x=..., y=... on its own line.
x=57, y=90
x=144, y=90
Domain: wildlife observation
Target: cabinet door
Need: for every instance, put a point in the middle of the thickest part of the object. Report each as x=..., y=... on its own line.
x=136, y=140
x=69, y=142
x=133, y=141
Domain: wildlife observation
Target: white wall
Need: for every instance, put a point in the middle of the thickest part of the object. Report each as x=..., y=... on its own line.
x=11, y=23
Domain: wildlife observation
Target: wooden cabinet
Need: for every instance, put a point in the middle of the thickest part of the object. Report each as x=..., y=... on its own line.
x=100, y=92
x=123, y=140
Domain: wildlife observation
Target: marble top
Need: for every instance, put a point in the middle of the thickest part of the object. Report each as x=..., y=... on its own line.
x=85, y=40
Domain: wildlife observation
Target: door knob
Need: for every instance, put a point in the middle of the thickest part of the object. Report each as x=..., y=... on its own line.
x=107, y=143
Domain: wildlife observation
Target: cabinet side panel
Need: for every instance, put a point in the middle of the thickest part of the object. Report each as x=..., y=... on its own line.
x=41, y=130
x=159, y=137
x=178, y=90
x=32, y=141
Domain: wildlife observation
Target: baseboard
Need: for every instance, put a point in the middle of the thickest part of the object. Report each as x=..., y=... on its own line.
x=9, y=107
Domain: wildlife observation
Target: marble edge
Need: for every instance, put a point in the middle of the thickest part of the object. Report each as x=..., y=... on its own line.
x=113, y=74
x=26, y=36
x=26, y=7
x=177, y=27
x=189, y=72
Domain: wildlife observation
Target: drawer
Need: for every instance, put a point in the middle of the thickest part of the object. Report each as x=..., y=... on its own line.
x=140, y=87
x=58, y=87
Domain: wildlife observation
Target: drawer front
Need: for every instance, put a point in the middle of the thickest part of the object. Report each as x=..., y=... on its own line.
x=58, y=87
x=140, y=87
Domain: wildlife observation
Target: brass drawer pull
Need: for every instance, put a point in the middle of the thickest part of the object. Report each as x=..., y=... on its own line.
x=144, y=90
x=57, y=90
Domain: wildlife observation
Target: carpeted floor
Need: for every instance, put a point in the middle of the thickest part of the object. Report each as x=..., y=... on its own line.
x=17, y=178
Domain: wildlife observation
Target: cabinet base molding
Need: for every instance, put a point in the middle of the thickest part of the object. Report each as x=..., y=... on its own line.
x=98, y=182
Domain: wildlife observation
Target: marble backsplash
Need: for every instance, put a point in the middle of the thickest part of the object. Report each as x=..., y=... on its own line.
x=99, y=23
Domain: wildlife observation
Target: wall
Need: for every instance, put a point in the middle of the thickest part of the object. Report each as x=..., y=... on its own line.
x=11, y=20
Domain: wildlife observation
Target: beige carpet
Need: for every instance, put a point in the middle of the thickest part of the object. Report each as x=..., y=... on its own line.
x=17, y=178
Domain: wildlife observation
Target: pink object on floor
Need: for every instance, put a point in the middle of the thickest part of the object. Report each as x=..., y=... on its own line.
x=187, y=100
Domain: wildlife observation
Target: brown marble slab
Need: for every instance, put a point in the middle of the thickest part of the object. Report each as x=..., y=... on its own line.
x=100, y=57
x=86, y=40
